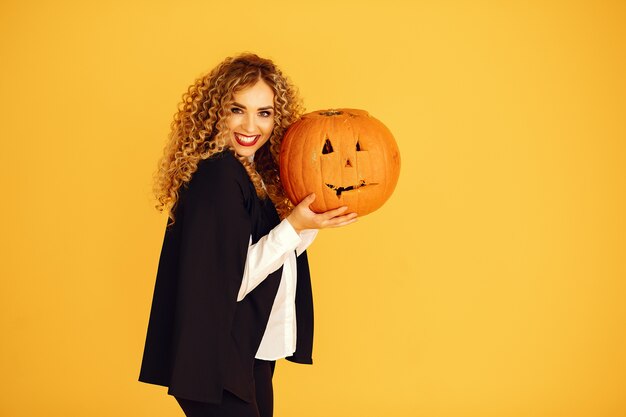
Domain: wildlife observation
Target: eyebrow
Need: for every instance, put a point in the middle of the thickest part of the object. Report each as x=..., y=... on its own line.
x=260, y=108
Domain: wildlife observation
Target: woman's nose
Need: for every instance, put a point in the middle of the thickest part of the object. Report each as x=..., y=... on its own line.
x=248, y=124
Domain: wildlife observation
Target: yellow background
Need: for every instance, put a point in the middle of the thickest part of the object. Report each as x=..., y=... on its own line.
x=491, y=283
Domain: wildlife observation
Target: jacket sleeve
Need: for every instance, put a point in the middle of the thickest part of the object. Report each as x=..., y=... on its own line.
x=270, y=252
x=214, y=239
x=267, y=255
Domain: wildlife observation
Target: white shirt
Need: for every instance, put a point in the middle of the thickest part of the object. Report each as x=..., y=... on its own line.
x=279, y=247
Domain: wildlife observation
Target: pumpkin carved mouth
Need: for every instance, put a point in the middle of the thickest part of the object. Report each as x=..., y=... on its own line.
x=340, y=190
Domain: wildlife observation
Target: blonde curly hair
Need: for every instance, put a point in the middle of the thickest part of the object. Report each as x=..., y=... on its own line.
x=199, y=130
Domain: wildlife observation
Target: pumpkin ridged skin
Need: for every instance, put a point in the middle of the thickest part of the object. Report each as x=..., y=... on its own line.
x=319, y=155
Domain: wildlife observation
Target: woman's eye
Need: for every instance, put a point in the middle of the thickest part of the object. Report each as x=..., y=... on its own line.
x=265, y=113
x=236, y=110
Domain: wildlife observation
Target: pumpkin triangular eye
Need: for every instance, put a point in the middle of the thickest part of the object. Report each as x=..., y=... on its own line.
x=328, y=148
x=358, y=146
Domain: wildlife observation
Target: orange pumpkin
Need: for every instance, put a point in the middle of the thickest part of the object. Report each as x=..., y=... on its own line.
x=345, y=156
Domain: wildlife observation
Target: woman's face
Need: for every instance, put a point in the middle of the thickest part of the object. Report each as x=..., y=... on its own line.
x=251, y=119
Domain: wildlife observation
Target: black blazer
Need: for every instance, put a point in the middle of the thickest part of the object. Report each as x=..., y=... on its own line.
x=200, y=340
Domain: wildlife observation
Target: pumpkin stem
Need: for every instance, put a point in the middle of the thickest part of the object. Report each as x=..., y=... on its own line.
x=331, y=113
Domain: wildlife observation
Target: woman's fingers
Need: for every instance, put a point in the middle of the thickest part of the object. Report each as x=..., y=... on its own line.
x=344, y=222
x=333, y=213
x=307, y=219
x=340, y=220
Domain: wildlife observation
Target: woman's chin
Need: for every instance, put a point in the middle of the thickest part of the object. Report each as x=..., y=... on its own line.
x=247, y=151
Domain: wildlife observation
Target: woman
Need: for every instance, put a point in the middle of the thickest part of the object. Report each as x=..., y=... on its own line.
x=233, y=291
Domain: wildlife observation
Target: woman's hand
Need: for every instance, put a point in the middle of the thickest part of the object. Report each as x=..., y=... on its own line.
x=302, y=217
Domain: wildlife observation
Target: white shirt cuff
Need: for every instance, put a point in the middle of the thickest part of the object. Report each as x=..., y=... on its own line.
x=286, y=236
x=307, y=237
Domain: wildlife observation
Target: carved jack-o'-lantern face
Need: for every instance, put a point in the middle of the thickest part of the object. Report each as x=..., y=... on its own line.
x=344, y=156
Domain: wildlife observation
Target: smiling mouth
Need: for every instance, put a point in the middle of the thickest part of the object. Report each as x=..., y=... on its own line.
x=244, y=140
x=339, y=190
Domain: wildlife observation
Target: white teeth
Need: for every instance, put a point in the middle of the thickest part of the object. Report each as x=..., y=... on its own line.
x=246, y=139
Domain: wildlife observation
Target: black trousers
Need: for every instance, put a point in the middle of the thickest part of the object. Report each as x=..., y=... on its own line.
x=233, y=406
